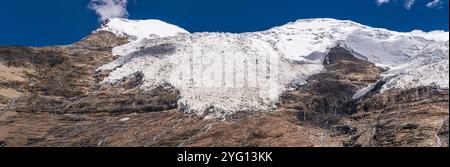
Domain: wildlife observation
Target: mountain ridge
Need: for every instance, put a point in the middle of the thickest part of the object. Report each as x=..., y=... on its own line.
x=57, y=95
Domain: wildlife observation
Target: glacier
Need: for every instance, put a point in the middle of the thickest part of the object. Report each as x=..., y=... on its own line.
x=222, y=73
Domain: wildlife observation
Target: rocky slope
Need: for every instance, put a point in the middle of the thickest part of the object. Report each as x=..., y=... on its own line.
x=117, y=87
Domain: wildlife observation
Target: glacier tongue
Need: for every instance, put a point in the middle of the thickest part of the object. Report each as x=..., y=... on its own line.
x=222, y=73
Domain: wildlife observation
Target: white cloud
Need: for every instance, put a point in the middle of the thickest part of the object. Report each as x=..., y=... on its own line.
x=381, y=2
x=408, y=4
x=106, y=9
x=434, y=3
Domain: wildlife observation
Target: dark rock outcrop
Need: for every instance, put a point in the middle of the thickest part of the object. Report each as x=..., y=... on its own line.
x=329, y=93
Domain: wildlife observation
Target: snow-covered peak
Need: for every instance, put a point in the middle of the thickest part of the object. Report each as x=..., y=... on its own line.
x=348, y=25
x=304, y=38
x=139, y=29
x=319, y=23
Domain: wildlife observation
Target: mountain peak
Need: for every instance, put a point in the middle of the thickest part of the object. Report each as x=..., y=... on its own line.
x=139, y=29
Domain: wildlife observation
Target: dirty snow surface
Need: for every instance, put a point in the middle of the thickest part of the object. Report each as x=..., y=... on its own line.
x=222, y=73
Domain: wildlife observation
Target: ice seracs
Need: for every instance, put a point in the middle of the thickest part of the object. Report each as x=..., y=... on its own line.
x=222, y=73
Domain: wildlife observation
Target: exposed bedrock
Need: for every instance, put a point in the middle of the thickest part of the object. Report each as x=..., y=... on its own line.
x=414, y=117
x=329, y=94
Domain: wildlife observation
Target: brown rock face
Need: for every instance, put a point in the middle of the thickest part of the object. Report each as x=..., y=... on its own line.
x=52, y=96
x=415, y=117
x=329, y=94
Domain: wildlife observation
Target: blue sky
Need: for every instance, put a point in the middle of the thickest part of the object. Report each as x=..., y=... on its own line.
x=52, y=22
